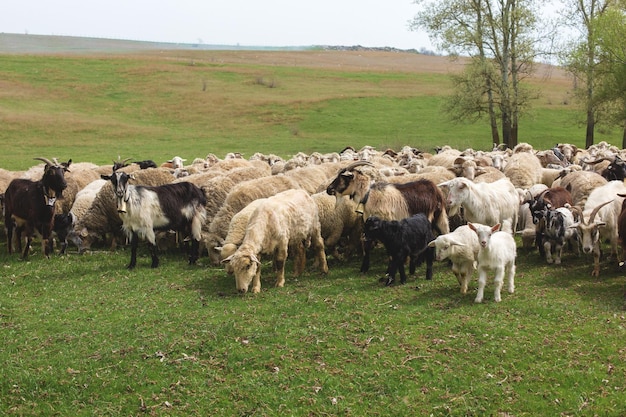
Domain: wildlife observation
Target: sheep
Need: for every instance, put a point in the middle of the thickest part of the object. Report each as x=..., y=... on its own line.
x=497, y=252
x=338, y=218
x=82, y=202
x=524, y=170
x=237, y=198
x=406, y=238
x=486, y=203
x=580, y=184
x=288, y=220
x=461, y=247
x=235, y=234
x=389, y=201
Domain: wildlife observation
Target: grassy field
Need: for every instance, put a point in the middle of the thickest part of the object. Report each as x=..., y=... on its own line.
x=84, y=336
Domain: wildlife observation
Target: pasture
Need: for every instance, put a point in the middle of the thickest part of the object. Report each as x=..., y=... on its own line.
x=84, y=336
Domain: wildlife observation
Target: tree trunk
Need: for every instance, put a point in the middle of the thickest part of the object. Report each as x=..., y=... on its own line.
x=624, y=137
x=590, y=129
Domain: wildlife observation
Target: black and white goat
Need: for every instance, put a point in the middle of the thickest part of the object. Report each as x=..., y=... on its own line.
x=559, y=229
x=179, y=207
x=406, y=238
x=29, y=206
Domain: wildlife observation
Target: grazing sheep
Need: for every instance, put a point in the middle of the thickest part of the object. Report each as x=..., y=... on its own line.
x=239, y=197
x=461, y=247
x=290, y=219
x=497, y=252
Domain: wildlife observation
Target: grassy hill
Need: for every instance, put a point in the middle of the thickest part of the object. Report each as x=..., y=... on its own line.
x=102, y=102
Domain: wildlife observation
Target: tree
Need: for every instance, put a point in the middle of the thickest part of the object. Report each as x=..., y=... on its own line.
x=611, y=92
x=581, y=57
x=496, y=36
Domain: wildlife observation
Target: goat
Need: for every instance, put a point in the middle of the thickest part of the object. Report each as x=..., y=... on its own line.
x=498, y=252
x=593, y=231
x=551, y=198
x=558, y=231
x=461, y=247
x=615, y=170
x=144, y=209
x=403, y=239
x=485, y=203
x=389, y=201
x=148, y=163
x=30, y=206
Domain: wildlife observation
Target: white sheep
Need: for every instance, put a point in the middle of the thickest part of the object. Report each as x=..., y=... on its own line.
x=524, y=169
x=461, y=247
x=290, y=219
x=497, y=252
x=486, y=203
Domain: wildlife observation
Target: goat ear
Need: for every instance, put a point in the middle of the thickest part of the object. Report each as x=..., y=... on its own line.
x=255, y=259
x=444, y=184
x=105, y=177
x=600, y=224
x=455, y=242
x=431, y=244
x=218, y=248
x=495, y=228
x=227, y=260
x=471, y=226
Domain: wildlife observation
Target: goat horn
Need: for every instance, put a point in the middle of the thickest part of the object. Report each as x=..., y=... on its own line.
x=46, y=160
x=592, y=216
x=597, y=161
x=358, y=164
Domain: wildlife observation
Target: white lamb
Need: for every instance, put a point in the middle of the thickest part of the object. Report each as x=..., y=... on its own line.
x=497, y=252
x=461, y=247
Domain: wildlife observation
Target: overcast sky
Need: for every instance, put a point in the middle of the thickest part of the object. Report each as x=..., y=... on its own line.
x=222, y=22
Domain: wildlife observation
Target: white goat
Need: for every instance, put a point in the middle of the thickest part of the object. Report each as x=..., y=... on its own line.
x=497, y=252
x=486, y=203
x=461, y=247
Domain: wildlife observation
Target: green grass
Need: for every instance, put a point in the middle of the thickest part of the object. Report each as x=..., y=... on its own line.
x=96, y=108
x=81, y=335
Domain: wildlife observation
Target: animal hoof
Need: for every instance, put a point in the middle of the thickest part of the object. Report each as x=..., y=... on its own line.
x=390, y=281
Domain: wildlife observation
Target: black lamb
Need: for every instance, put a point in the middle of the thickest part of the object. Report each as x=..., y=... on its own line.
x=407, y=238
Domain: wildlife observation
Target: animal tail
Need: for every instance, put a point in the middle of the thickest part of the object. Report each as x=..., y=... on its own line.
x=440, y=222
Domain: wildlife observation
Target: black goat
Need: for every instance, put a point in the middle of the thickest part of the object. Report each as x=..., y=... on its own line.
x=148, y=163
x=406, y=238
x=29, y=206
x=361, y=181
x=179, y=207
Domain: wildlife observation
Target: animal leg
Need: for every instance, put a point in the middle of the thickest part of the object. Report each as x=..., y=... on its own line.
x=400, y=266
x=154, y=253
x=194, y=253
x=498, y=281
x=558, y=251
x=482, y=280
x=392, y=268
x=430, y=257
x=29, y=239
x=9, y=227
x=299, y=260
x=596, y=261
x=320, y=255
x=367, y=248
x=133, y=251
x=279, y=260
x=547, y=247
x=511, y=277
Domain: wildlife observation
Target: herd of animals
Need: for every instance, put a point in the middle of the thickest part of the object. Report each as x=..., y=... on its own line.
x=465, y=206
